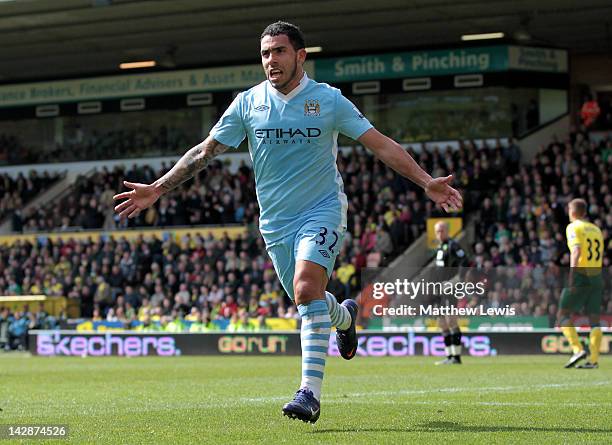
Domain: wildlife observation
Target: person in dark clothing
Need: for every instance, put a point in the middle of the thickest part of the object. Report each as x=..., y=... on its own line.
x=449, y=256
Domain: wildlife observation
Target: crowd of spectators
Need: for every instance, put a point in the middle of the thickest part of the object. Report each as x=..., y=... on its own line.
x=150, y=279
x=15, y=193
x=115, y=279
x=163, y=283
x=14, y=325
x=377, y=196
x=520, y=232
x=215, y=197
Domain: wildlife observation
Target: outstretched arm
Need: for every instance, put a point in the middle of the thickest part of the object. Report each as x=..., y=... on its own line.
x=190, y=164
x=394, y=155
x=143, y=196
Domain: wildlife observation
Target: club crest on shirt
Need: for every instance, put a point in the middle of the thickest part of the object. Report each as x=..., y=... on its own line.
x=312, y=107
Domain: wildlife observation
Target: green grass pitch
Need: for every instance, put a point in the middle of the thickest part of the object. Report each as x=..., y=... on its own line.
x=231, y=400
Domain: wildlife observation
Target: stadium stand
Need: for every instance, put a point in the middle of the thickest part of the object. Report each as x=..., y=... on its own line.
x=215, y=197
x=12, y=151
x=87, y=142
x=521, y=225
x=150, y=280
x=525, y=219
x=17, y=192
x=14, y=326
x=201, y=281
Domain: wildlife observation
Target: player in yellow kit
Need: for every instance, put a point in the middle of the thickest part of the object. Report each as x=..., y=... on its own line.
x=585, y=284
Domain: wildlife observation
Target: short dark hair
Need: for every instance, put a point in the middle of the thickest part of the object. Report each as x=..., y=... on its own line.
x=290, y=30
x=579, y=206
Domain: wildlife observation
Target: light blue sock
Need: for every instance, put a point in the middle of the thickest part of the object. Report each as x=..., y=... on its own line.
x=316, y=326
x=340, y=316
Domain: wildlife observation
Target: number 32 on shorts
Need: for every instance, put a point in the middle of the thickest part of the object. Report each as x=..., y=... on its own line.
x=328, y=238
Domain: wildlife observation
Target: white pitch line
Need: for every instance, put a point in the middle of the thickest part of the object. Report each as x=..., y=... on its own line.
x=217, y=402
x=262, y=399
x=460, y=402
x=492, y=389
x=516, y=388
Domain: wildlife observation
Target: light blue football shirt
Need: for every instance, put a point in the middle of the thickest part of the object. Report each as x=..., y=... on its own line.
x=293, y=145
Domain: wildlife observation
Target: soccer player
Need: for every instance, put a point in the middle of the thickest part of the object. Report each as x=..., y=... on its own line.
x=292, y=123
x=585, y=284
x=449, y=255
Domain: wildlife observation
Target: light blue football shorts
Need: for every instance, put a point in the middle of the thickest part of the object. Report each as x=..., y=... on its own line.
x=315, y=241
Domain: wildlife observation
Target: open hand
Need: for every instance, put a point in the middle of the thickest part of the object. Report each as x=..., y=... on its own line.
x=139, y=198
x=440, y=191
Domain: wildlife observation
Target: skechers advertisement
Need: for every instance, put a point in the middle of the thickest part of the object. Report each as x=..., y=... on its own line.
x=371, y=344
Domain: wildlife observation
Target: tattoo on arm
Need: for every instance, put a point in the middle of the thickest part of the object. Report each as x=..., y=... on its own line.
x=191, y=163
